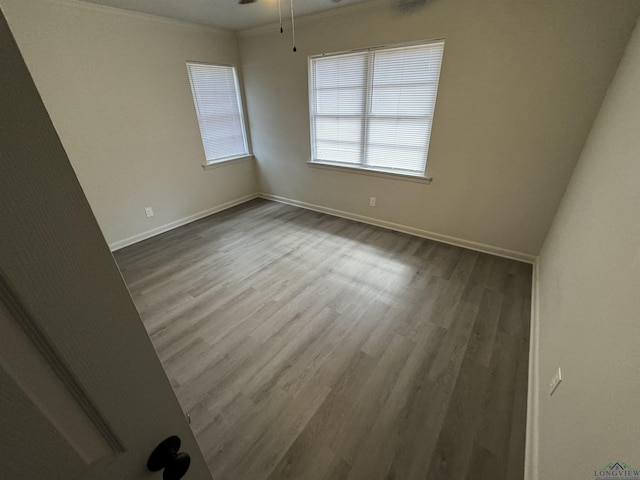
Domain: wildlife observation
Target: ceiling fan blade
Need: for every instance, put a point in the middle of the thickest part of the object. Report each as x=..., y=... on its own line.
x=246, y=2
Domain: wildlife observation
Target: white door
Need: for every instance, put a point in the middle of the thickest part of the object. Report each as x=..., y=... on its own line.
x=82, y=392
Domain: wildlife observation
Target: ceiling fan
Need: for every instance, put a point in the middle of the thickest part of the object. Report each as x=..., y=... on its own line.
x=244, y=2
x=402, y=5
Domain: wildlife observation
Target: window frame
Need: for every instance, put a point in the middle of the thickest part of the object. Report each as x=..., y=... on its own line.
x=362, y=167
x=210, y=163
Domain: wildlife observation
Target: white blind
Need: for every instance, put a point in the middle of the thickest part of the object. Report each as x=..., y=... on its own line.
x=219, y=110
x=374, y=109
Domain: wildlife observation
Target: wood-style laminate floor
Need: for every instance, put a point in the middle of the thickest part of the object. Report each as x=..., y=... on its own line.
x=306, y=346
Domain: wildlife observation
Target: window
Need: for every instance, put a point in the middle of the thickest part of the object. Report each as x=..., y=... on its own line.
x=374, y=109
x=219, y=108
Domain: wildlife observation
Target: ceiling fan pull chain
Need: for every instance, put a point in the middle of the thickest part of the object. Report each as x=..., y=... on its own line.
x=280, y=15
x=293, y=28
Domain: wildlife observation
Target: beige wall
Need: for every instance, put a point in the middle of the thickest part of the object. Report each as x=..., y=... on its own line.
x=589, y=297
x=116, y=87
x=521, y=83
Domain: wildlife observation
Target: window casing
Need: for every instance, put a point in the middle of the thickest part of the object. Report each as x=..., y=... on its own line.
x=216, y=95
x=374, y=109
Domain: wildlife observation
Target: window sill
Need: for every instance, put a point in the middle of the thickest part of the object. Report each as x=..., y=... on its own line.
x=227, y=161
x=374, y=173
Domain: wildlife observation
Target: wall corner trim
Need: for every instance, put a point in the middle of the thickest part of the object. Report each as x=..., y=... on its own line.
x=532, y=437
x=180, y=222
x=458, y=242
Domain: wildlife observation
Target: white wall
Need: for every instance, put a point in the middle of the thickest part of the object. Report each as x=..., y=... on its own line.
x=521, y=84
x=589, y=297
x=116, y=87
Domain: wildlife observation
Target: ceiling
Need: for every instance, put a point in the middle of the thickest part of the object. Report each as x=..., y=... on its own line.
x=225, y=14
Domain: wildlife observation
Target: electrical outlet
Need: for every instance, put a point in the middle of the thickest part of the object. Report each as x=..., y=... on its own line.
x=148, y=211
x=372, y=201
x=555, y=381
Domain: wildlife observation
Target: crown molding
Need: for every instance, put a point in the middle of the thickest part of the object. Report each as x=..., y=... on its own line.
x=314, y=17
x=94, y=7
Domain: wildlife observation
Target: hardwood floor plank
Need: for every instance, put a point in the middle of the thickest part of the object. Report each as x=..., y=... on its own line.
x=265, y=454
x=311, y=347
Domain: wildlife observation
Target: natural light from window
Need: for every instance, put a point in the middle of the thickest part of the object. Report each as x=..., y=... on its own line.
x=216, y=96
x=374, y=109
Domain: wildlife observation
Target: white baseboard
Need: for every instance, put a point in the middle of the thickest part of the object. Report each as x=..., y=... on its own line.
x=178, y=223
x=459, y=242
x=532, y=440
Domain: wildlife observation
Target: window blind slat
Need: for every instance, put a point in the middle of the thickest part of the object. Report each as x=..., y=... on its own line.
x=344, y=101
x=398, y=144
x=218, y=108
x=375, y=108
